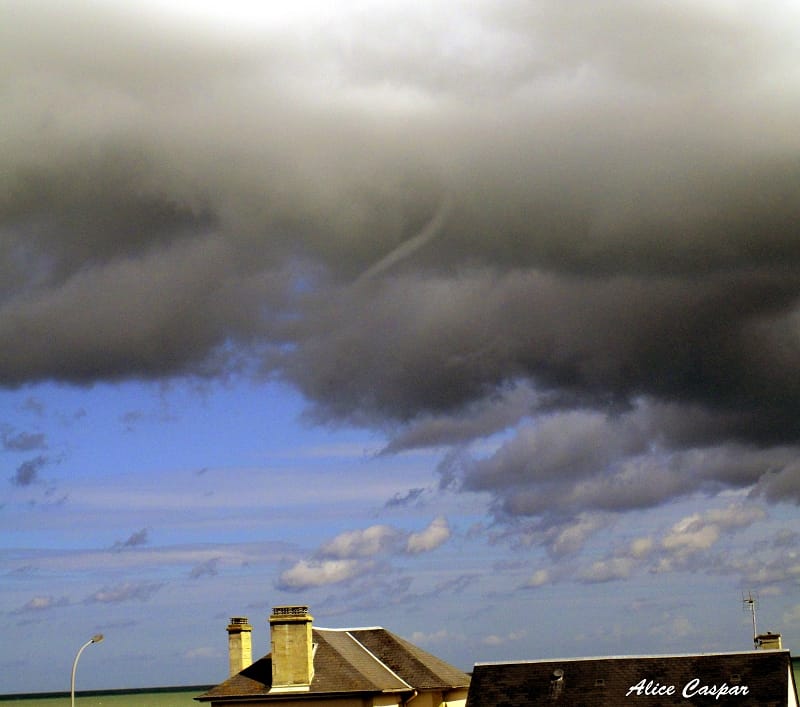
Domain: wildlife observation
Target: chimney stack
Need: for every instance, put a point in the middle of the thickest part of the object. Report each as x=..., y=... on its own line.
x=292, y=649
x=240, y=644
x=769, y=641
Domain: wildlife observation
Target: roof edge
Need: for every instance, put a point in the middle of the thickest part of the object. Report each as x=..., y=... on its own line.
x=627, y=657
x=286, y=696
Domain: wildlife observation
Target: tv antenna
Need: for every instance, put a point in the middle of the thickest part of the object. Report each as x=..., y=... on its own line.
x=749, y=603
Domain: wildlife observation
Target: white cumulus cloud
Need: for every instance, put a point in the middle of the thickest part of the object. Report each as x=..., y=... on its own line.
x=436, y=534
x=311, y=573
x=360, y=543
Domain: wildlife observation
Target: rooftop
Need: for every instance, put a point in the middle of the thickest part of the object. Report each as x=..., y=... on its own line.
x=365, y=660
x=749, y=678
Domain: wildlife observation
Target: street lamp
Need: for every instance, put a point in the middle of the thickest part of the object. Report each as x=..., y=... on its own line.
x=94, y=639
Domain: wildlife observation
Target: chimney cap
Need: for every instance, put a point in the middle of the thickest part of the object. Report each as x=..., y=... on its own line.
x=238, y=624
x=290, y=610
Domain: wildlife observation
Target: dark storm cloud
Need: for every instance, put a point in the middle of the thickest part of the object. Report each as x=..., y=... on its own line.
x=569, y=463
x=443, y=223
x=436, y=344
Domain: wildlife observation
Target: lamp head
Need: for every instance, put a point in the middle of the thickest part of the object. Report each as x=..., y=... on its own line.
x=97, y=638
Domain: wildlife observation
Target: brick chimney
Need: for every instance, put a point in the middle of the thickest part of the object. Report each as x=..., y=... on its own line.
x=240, y=644
x=292, y=649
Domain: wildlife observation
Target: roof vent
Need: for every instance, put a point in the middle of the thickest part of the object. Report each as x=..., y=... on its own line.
x=556, y=684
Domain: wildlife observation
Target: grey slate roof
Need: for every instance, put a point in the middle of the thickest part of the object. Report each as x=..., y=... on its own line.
x=605, y=682
x=368, y=660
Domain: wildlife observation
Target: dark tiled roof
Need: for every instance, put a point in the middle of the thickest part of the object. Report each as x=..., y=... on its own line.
x=605, y=682
x=416, y=666
x=341, y=663
x=352, y=661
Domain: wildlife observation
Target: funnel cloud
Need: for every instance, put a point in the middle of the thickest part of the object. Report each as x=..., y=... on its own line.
x=557, y=243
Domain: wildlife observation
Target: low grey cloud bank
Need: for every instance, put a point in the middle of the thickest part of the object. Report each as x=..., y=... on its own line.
x=570, y=462
x=521, y=217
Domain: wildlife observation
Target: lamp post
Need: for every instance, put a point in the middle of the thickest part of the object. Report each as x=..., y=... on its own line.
x=94, y=639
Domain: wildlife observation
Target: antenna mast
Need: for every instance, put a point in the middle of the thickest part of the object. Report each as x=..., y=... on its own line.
x=749, y=603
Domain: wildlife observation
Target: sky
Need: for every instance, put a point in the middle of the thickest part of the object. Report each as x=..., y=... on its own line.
x=479, y=321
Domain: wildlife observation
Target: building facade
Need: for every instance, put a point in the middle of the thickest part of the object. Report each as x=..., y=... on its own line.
x=356, y=667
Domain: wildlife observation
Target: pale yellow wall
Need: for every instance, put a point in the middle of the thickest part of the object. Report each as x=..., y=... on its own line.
x=792, y=697
x=456, y=698
x=383, y=701
x=240, y=651
x=426, y=699
x=292, y=657
x=452, y=698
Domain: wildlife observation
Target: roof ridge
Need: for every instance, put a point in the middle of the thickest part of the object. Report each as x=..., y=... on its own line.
x=378, y=660
x=353, y=628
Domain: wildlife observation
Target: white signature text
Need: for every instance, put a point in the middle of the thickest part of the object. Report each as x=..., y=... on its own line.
x=651, y=688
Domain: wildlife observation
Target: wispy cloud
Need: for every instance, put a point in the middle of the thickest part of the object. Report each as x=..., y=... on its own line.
x=43, y=603
x=127, y=591
x=406, y=499
x=33, y=405
x=14, y=441
x=28, y=471
x=201, y=653
x=136, y=539
x=146, y=559
x=209, y=568
x=793, y=615
x=614, y=568
x=499, y=640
